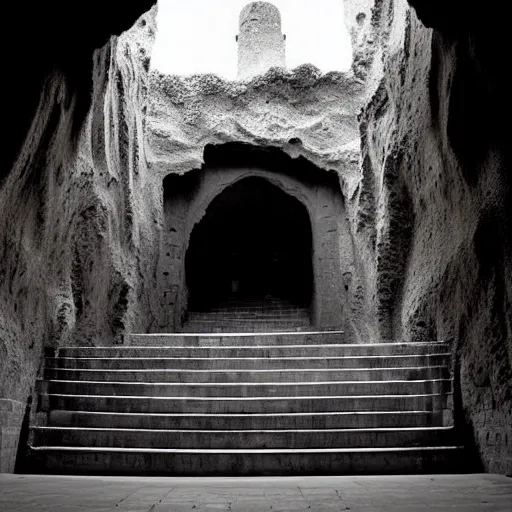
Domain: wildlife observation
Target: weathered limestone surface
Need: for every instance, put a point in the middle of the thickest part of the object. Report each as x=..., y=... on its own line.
x=433, y=206
x=302, y=112
x=362, y=20
x=76, y=208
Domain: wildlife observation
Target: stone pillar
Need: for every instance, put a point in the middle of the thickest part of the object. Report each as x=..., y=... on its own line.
x=261, y=44
x=11, y=419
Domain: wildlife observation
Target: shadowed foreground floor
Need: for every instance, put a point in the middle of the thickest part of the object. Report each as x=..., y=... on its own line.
x=464, y=493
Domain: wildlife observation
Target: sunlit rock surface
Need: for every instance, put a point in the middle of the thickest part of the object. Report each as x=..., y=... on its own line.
x=302, y=112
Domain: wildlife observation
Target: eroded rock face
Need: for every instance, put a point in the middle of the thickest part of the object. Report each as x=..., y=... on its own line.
x=433, y=206
x=362, y=18
x=77, y=208
x=302, y=112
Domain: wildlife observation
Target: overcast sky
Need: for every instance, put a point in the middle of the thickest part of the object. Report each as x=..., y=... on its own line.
x=198, y=36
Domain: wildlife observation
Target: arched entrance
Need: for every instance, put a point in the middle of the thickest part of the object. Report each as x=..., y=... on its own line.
x=254, y=241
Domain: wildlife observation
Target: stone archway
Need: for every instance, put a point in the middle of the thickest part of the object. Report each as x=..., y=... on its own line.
x=316, y=195
x=254, y=241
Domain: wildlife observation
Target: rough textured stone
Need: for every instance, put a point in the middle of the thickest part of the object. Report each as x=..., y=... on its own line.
x=299, y=117
x=75, y=207
x=431, y=208
x=187, y=202
x=362, y=20
x=50, y=39
x=11, y=418
x=303, y=112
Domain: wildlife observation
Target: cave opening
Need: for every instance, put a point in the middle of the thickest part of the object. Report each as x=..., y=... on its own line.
x=254, y=243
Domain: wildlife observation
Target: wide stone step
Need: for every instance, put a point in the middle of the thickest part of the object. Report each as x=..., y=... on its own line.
x=250, y=319
x=252, y=307
x=235, y=339
x=256, y=310
x=249, y=389
x=251, y=363
x=189, y=462
x=246, y=326
x=253, y=320
x=247, y=405
x=271, y=402
x=251, y=314
x=243, y=439
x=328, y=420
x=251, y=376
x=317, y=350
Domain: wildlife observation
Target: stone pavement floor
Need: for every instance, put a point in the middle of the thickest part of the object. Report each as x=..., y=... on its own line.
x=461, y=493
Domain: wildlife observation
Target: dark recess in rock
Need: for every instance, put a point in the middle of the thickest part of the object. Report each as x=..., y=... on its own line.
x=53, y=38
x=247, y=155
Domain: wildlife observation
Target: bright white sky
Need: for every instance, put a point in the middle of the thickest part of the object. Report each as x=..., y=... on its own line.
x=198, y=36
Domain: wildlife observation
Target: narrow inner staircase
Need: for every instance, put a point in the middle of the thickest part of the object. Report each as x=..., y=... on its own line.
x=250, y=314
x=246, y=403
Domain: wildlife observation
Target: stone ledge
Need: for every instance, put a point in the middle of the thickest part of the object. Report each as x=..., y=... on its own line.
x=11, y=418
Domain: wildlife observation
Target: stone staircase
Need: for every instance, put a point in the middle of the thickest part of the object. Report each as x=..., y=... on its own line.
x=248, y=314
x=246, y=404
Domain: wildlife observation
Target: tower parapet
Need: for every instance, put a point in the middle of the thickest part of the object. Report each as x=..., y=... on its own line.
x=261, y=43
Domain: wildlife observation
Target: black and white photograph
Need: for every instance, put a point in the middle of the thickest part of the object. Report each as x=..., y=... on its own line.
x=256, y=256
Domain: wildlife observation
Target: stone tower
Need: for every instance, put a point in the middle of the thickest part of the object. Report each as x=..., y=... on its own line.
x=261, y=44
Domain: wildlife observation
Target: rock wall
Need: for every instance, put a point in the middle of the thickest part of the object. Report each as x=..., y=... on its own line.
x=431, y=215
x=77, y=207
x=362, y=20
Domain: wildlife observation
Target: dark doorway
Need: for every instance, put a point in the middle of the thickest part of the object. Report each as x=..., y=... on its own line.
x=253, y=242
